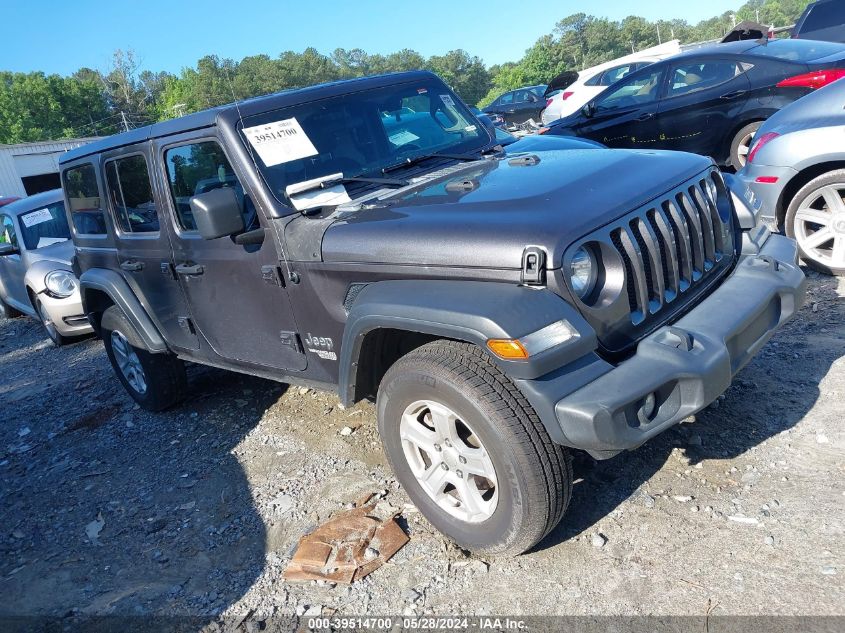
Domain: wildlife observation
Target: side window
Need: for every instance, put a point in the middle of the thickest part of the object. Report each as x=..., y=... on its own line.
x=612, y=75
x=131, y=194
x=506, y=99
x=595, y=80
x=699, y=76
x=8, y=235
x=197, y=168
x=633, y=91
x=80, y=184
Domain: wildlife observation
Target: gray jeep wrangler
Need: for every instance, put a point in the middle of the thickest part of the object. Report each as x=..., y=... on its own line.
x=498, y=304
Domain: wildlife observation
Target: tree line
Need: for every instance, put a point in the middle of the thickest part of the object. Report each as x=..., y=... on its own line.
x=35, y=106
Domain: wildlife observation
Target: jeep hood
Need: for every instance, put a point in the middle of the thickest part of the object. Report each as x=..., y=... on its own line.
x=483, y=214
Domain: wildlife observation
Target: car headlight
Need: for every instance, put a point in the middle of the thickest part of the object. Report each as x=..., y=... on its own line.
x=582, y=272
x=61, y=283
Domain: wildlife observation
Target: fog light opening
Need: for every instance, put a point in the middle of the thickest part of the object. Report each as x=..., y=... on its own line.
x=648, y=409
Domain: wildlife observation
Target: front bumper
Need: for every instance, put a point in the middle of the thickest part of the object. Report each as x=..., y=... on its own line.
x=67, y=314
x=685, y=366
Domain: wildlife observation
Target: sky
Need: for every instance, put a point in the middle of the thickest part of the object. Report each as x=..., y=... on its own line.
x=60, y=36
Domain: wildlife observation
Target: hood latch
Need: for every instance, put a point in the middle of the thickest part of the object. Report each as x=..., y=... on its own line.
x=534, y=266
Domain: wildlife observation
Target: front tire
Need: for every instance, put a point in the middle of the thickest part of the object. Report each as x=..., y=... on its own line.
x=49, y=327
x=815, y=218
x=155, y=381
x=741, y=145
x=470, y=451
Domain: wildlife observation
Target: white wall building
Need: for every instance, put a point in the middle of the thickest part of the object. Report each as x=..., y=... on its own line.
x=30, y=168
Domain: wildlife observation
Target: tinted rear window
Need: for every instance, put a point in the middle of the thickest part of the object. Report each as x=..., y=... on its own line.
x=797, y=50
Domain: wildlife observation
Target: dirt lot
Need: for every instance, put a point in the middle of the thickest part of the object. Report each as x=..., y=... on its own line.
x=106, y=509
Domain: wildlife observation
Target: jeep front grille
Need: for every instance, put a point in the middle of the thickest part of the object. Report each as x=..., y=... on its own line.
x=663, y=255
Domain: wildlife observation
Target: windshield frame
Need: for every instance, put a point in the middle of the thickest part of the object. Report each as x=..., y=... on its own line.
x=277, y=184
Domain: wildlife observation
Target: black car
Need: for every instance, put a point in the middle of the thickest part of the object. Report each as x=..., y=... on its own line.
x=709, y=101
x=822, y=20
x=517, y=106
x=372, y=237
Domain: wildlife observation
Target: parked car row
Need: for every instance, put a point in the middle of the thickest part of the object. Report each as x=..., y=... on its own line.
x=501, y=300
x=709, y=101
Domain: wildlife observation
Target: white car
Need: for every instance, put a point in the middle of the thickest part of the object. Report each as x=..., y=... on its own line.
x=593, y=81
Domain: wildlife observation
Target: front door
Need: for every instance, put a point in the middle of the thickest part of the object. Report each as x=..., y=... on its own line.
x=237, y=299
x=702, y=104
x=12, y=269
x=143, y=244
x=625, y=116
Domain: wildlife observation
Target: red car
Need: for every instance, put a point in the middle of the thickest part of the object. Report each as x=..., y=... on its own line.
x=5, y=201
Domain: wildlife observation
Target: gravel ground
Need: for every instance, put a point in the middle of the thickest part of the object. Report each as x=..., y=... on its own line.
x=107, y=509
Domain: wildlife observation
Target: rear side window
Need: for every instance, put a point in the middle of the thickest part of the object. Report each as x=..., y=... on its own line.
x=702, y=75
x=197, y=168
x=131, y=194
x=83, y=194
x=506, y=98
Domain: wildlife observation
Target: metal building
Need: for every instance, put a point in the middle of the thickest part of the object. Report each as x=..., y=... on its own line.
x=30, y=168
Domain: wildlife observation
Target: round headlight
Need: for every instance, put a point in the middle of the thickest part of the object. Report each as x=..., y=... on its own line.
x=61, y=283
x=582, y=272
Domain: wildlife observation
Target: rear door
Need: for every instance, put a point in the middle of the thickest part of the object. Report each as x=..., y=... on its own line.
x=625, y=115
x=143, y=243
x=702, y=103
x=12, y=268
x=236, y=293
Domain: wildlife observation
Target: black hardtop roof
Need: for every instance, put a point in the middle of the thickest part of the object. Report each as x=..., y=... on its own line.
x=247, y=107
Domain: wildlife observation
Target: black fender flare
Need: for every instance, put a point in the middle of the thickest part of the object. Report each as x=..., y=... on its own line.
x=115, y=287
x=470, y=311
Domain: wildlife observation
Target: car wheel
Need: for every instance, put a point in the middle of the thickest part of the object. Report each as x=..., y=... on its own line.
x=741, y=144
x=7, y=311
x=49, y=327
x=815, y=218
x=155, y=381
x=470, y=451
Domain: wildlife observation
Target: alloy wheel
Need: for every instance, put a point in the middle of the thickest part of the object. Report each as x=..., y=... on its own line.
x=820, y=225
x=744, y=148
x=128, y=362
x=449, y=461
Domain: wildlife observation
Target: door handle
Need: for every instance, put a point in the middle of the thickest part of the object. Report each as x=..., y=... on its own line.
x=510, y=111
x=645, y=116
x=190, y=270
x=733, y=95
x=132, y=267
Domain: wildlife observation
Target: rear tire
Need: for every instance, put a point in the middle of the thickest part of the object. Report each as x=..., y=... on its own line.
x=447, y=390
x=741, y=144
x=7, y=311
x=155, y=381
x=818, y=228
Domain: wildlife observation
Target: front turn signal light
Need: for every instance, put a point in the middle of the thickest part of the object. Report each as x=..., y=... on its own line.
x=507, y=349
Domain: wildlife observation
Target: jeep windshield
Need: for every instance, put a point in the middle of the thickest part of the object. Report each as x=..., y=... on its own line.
x=362, y=135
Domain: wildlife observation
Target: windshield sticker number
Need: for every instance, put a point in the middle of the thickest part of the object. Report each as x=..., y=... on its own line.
x=36, y=217
x=403, y=138
x=447, y=100
x=280, y=142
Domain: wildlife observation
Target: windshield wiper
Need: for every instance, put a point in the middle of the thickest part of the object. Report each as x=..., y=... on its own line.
x=422, y=157
x=293, y=190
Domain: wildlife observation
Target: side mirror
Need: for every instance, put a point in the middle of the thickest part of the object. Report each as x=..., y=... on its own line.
x=589, y=109
x=217, y=213
x=9, y=249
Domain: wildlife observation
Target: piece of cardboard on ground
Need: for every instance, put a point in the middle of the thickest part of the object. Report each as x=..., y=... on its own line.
x=350, y=545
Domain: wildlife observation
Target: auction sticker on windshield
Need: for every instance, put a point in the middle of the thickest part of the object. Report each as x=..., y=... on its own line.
x=36, y=217
x=280, y=142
